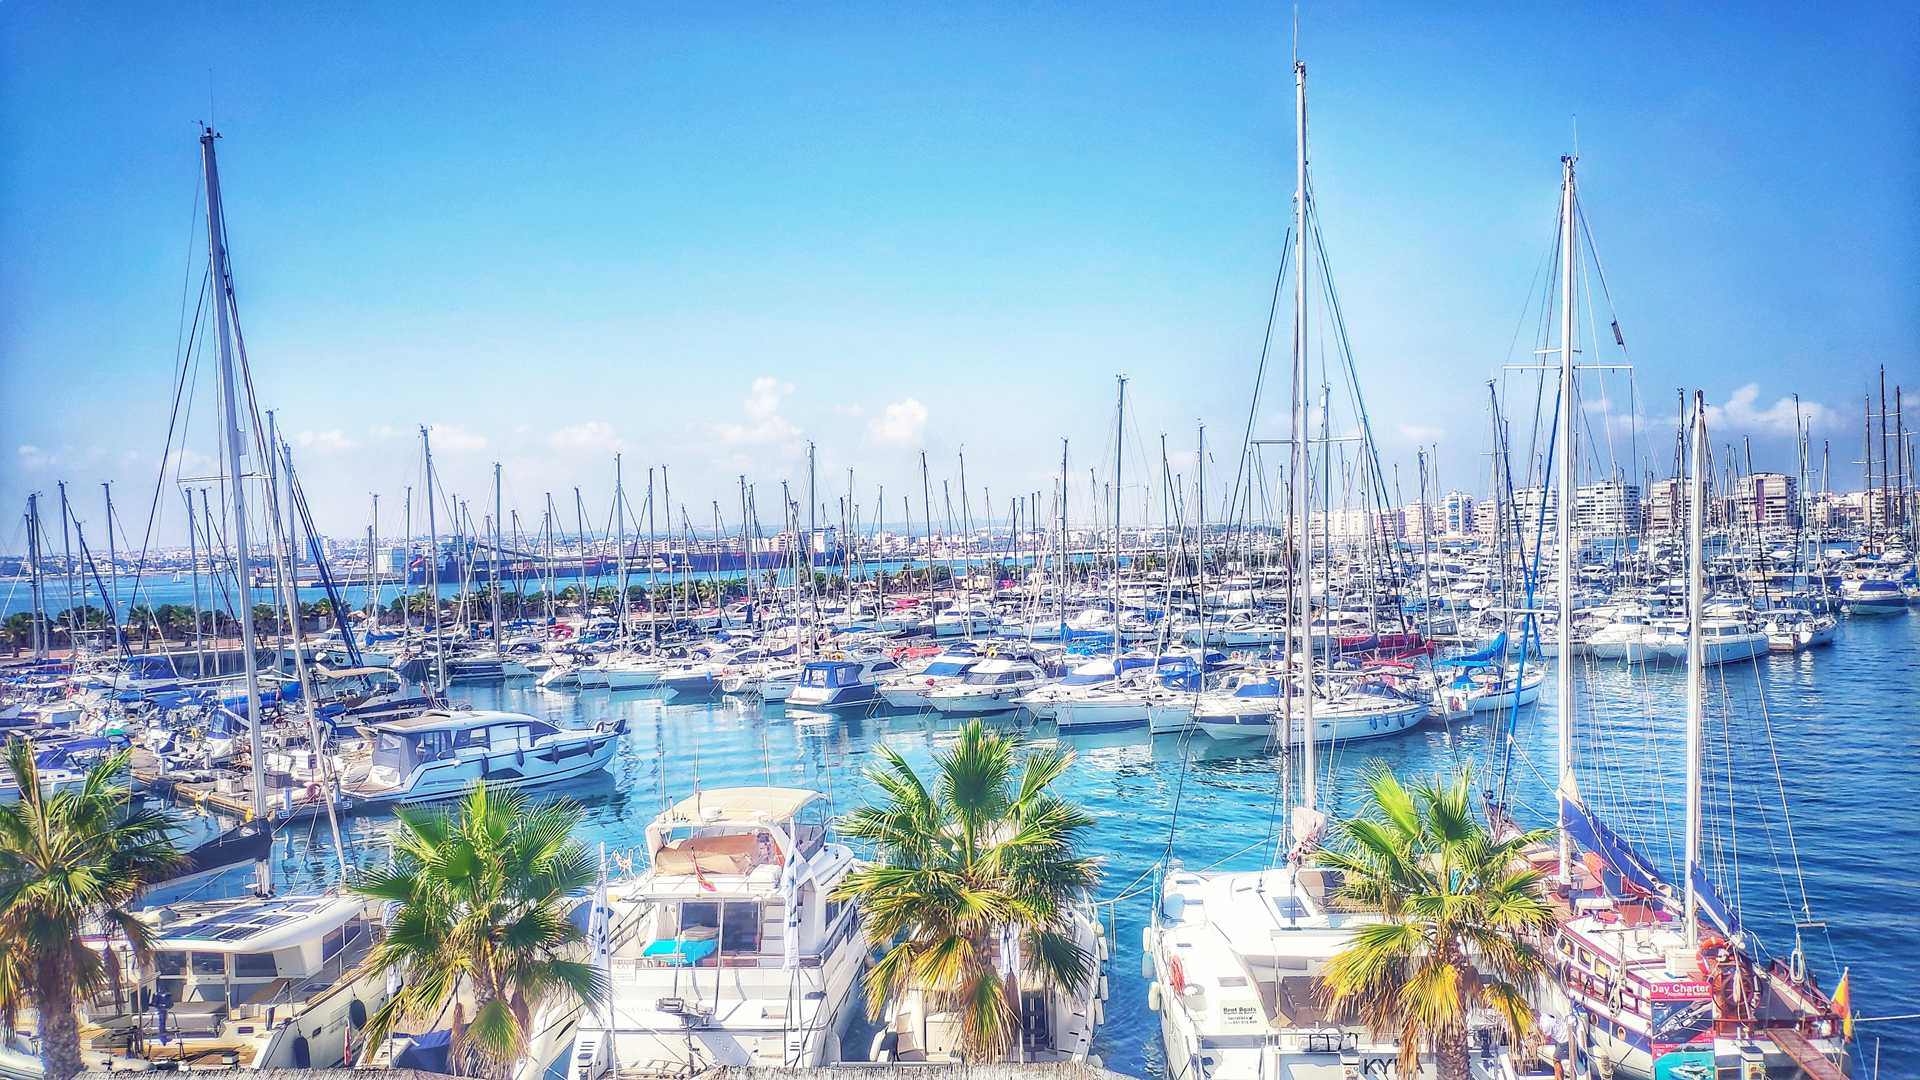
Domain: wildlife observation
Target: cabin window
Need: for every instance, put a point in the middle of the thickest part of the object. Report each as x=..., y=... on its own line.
x=341, y=939
x=170, y=963
x=699, y=915
x=252, y=965
x=740, y=928
x=210, y=963
x=472, y=737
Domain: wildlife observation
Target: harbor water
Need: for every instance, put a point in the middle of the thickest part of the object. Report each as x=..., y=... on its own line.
x=1833, y=727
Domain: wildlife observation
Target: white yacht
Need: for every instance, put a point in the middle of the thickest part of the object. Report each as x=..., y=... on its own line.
x=1798, y=631
x=842, y=683
x=1057, y=1022
x=908, y=688
x=1234, y=961
x=249, y=983
x=1044, y=701
x=1724, y=641
x=1341, y=712
x=965, y=619
x=724, y=951
x=991, y=686
x=440, y=753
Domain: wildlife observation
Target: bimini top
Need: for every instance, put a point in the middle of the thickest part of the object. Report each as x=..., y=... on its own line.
x=445, y=720
x=739, y=804
x=259, y=926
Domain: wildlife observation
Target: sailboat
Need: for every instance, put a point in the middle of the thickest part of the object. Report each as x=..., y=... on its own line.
x=1234, y=958
x=1660, y=979
x=257, y=981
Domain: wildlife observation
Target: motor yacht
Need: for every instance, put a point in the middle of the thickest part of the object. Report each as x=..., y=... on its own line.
x=441, y=753
x=908, y=688
x=724, y=949
x=841, y=683
x=991, y=686
x=1234, y=960
x=1057, y=1023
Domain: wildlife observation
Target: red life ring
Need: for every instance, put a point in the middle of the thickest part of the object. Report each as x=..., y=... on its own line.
x=1176, y=976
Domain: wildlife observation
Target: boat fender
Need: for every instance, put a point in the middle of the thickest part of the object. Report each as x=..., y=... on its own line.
x=1103, y=988
x=1146, y=965
x=1153, y=997
x=1099, y=1013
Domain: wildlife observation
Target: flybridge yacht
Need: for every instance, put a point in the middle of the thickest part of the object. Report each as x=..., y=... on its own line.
x=257, y=984
x=1235, y=962
x=908, y=688
x=991, y=686
x=726, y=950
x=1057, y=1022
x=439, y=754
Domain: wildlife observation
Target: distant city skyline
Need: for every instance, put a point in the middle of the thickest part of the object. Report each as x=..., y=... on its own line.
x=708, y=240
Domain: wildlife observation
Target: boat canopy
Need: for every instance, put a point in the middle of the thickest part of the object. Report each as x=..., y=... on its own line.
x=1497, y=648
x=831, y=674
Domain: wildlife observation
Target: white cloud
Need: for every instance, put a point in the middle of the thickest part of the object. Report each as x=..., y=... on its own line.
x=455, y=437
x=764, y=424
x=1740, y=414
x=1421, y=433
x=330, y=441
x=587, y=435
x=901, y=422
x=32, y=457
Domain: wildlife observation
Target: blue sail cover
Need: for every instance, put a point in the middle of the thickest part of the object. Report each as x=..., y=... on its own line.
x=1712, y=905
x=1593, y=835
x=1497, y=649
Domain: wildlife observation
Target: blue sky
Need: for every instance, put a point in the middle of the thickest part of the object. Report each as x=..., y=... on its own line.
x=705, y=239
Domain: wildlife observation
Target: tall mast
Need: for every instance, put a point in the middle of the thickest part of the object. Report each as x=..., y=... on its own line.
x=620, y=543
x=653, y=562
x=746, y=549
x=406, y=567
x=926, y=508
x=580, y=527
x=1200, y=546
x=33, y=572
x=230, y=414
x=493, y=572
x=1119, y=435
x=1563, y=518
x=106, y=487
x=1696, y=673
x=433, y=572
x=1060, y=590
x=66, y=565
x=1306, y=826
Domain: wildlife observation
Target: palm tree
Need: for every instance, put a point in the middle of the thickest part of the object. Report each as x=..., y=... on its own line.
x=1463, y=919
x=484, y=896
x=990, y=851
x=70, y=862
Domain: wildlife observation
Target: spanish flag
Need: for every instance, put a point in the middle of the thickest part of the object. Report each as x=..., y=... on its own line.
x=1843, y=1004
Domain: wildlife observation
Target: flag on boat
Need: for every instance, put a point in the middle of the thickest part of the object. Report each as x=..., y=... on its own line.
x=1843, y=1003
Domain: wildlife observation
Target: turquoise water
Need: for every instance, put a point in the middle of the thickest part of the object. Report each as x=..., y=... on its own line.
x=1841, y=718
